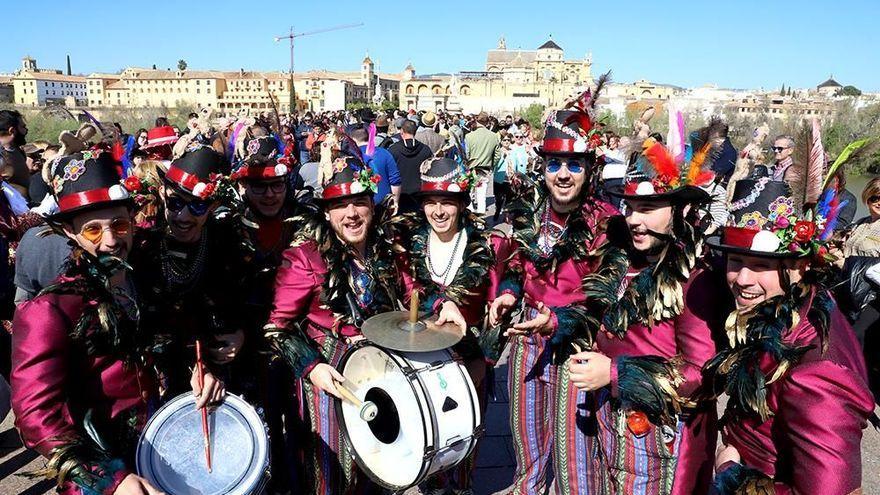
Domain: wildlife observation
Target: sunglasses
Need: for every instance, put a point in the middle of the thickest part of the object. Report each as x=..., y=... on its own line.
x=573, y=166
x=778, y=149
x=95, y=232
x=873, y=199
x=261, y=187
x=196, y=207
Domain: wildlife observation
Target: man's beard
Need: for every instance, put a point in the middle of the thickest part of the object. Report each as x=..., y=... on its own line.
x=19, y=140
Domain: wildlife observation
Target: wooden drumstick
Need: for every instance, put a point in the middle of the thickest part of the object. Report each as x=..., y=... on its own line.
x=367, y=409
x=414, y=308
x=206, y=428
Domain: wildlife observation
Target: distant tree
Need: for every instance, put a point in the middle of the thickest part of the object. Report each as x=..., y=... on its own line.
x=789, y=91
x=782, y=91
x=181, y=64
x=154, y=66
x=533, y=114
x=849, y=91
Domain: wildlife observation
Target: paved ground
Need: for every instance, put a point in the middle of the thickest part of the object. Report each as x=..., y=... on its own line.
x=494, y=463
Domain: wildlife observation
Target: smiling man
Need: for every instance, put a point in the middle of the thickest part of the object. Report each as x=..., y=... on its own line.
x=82, y=379
x=793, y=368
x=652, y=335
x=446, y=253
x=557, y=223
x=188, y=268
x=338, y=272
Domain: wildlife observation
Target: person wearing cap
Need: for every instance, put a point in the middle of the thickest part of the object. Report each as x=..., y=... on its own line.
x=82, y=376
x=338, y=272
x=483, y=152
x=653, y=333
x=556, y=224
x=426, y=133
x=792, y=368
x=160, y=141
x=446, y=253
x=382, y=138
x=189, y=266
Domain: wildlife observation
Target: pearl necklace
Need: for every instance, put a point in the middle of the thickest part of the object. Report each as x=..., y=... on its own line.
x=442, y=276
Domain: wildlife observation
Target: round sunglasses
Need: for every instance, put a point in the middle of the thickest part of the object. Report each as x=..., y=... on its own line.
x=196, y=207
x=573, y=165
x=95, y=232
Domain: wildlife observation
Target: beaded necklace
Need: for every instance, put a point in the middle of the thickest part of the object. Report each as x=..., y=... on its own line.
x=442, y=276
x=181, y=275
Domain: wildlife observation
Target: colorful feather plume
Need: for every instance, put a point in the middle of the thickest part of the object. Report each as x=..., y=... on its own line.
x=585, y=104
x=829, y=208
x=675, y=138
x=371, y=141
x=815, y=166
x=852, y=151
x=697, y=174
x=662, y=163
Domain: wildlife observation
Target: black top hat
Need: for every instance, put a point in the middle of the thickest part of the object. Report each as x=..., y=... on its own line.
x=567, y=133
x=763, y=216
x=350, y=177
x=196, y=171
x=446, y=177
x=657, y=176
x=264, y=161
x=87, y=180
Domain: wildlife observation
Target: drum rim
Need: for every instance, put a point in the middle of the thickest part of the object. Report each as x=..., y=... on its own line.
x=241, y=406
x=343, y=426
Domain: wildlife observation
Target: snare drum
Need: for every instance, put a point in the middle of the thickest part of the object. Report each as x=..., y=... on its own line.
x=428, y=417
x=171, y=451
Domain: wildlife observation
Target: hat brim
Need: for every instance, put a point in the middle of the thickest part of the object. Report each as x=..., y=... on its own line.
x=714, y=242
x=540, y=151
x=686, y=194
x=325, y=201
x=72, y=212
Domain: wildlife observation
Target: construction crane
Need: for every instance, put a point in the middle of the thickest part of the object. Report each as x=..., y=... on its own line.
x=292, y=36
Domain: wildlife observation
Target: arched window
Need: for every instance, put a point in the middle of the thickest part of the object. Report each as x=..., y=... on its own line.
x=409, y=89
x=423, y=89
x=465, y=90
x=436, y=90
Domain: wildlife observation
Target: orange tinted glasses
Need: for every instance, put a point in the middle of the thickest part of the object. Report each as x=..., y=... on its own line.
x=95, y=232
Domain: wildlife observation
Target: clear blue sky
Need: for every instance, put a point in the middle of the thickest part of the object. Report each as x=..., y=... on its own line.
x=741, y=44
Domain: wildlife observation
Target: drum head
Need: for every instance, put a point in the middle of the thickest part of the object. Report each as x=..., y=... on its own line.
x=171, y=453
x=390, y=449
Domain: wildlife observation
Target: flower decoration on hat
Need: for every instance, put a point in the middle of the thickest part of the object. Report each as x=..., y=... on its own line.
x=572, y=129
x=365, y=180
x=448, y=171
x=197, y=172
x=769, y=218
x=659, y=172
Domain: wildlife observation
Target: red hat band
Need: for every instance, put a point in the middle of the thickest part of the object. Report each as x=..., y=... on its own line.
x=187, y=180
x=338, y=190
x=740, y=237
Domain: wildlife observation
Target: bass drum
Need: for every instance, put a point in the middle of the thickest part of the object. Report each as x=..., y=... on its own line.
x=428, y=416
x=171, y=451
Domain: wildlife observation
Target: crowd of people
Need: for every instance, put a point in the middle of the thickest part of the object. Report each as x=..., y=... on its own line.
x=630, y=278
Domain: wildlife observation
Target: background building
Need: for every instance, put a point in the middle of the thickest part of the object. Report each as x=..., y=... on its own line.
x=33, y=86
x=510, y=81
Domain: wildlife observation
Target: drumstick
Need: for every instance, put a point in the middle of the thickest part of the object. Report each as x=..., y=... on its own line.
x=206, y=429
x=414, y=308
x=368, y=409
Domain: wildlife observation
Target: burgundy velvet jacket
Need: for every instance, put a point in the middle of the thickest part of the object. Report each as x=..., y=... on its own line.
x=812, y=442
x=298, y=288
x=561, y=287
x=688, y=337
x=55, y=382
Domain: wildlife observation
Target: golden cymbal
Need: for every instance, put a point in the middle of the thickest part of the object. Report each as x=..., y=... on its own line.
x=394, y=331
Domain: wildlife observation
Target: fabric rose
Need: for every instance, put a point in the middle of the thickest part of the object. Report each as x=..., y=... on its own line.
x=132, y=183
x=804, y=231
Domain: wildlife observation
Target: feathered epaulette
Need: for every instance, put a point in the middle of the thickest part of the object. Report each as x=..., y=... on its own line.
x=99, y=327
x=654, y=295
x=649, y=384
x=759, y=331
x=338, y=282
x=411, y=232
x=525, y=210
x=82, y=462
x=742, y=480
x=293, y=346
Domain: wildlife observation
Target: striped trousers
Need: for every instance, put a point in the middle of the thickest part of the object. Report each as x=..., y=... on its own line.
x=531, y=383
x=330, y=468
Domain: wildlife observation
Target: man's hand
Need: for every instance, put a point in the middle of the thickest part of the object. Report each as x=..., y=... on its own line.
x=324, y=377
x=135, y=485
x=541, y=324
x=724, y=454
x=227, y=347
x=500, y=307
x=449, y=313
x=213, y=391
x=589, y=370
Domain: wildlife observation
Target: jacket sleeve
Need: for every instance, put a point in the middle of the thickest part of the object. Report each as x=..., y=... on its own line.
x=40, y=382
x=693, y=336
x=295, y=286
x=823, y=408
